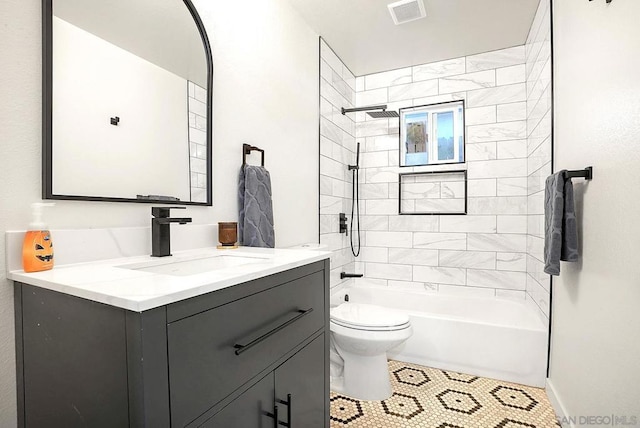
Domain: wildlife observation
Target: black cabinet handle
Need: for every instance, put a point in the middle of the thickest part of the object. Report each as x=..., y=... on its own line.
x=288, y=404
x=240, y=348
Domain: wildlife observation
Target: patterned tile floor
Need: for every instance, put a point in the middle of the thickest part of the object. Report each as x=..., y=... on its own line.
x=430, y=398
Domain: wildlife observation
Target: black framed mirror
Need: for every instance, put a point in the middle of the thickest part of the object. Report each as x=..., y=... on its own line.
x=127, y=102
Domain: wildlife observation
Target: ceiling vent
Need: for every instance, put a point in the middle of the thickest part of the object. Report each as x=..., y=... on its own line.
x=406, y=10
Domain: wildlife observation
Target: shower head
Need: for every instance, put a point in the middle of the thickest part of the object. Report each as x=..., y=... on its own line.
x=370, y=111
x=381, y=114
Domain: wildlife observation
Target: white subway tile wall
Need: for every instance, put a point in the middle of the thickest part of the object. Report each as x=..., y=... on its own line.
x=495, y=250
x=538, y=117
x=337, y=151
x=197, y=110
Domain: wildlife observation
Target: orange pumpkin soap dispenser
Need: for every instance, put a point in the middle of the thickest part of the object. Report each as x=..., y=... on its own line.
x=37, y=248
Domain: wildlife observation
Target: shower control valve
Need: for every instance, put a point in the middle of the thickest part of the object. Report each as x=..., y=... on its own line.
x=343, y=224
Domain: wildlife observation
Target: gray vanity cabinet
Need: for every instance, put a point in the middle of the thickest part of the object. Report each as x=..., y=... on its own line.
x=223, y=359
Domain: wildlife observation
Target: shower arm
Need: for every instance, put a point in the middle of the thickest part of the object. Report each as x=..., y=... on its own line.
x=355, y=109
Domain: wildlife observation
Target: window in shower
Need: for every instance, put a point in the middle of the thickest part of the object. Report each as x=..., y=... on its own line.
x=432, y=134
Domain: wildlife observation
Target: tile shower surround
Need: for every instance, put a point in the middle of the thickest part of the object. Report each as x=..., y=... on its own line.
x=495, y=250
x=482, y=253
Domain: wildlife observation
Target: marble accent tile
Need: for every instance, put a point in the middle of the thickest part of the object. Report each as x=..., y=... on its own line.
x=538, y=177
x=331, y=94
x=439, y=275
x=535, y=225
x=498, y=95
x=388, y=78
x=497, y=132
x=369, y=282
x=413, y=256
x=331, y=58
x=381, y=175
x=497, y=242
x=496, y=59
x=414, y=223
x=512, y=186
x=467, y=82
x=480, y=115
x=381, y=207
x=420, y=190
x=535, y=268
x=333, y=132
x=435, y=99
x=497, y=279
x=413, y=90
x=374, y=159
x=498, y=205
x=328, y=223
x=475, y=223
x=435, y=206
x=389, y=239
x=374, y=222
x=374, y=191
x=481, y=151
x=535, y=247
x=372, y=97
x=512, y=261
x=497, y=168
x=434, y=70
x=440, y=241
x=374, y=254
x=370, y=128
x=326, y=185
x=482, y=187
x=388, y=271
x=512, y=149
x=381, y=143
x=536, y=203
x=468, y=259
x=541, y=156
x=538, y=294
x=512, y=224
x=509, y=75
x=512, y=111
x=331, y=168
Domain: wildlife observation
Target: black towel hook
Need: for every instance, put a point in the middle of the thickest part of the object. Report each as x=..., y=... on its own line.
x=248, y=148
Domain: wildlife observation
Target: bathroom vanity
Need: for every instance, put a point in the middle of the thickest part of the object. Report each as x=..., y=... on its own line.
x=239, y=346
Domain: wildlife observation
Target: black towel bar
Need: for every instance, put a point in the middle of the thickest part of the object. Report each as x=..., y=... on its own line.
x=248, y=148
x=586, y=173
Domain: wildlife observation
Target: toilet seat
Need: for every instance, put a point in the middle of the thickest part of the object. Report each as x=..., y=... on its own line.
x=362, y=316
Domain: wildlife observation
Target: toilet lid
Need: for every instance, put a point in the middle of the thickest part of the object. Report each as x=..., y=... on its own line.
x=367, y=316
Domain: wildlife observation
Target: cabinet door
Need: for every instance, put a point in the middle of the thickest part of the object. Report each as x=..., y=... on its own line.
x=303, y=377
x=252, y=409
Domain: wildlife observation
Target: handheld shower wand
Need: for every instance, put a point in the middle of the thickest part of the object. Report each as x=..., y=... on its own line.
x=355, y=202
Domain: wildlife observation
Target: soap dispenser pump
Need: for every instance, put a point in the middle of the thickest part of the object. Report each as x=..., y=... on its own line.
x=37, y=248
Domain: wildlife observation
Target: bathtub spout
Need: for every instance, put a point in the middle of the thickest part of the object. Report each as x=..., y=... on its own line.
x=344, y=275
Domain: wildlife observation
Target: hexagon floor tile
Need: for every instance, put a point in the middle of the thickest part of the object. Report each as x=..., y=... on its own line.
x=431, y=398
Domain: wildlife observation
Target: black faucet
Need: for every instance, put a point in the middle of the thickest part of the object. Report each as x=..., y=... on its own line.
x=160, y=231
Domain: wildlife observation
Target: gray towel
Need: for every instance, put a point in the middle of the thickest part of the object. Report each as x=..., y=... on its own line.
x=560, y=231
x=255, y=224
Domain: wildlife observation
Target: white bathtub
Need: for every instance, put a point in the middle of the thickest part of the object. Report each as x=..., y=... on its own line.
x=495, y=338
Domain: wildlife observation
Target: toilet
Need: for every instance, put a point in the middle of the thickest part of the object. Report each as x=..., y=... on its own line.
x=361, y=335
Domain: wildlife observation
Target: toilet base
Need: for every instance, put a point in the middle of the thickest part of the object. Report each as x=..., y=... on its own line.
x=366, y=377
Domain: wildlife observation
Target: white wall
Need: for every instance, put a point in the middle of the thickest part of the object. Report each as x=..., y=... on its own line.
x=266, y=93
x=595, y=349
x=93, y=81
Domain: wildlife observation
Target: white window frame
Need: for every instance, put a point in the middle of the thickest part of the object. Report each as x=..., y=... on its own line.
x=432, y=111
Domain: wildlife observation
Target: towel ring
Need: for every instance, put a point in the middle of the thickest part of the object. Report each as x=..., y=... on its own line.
x=248, y=148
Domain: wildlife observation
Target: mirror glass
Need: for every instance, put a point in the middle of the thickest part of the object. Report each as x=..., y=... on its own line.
x=127, y=101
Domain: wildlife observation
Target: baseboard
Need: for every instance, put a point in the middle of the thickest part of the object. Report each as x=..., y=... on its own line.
x=558, y=407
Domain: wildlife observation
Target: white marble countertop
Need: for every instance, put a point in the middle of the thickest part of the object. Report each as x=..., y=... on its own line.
x=106, y=281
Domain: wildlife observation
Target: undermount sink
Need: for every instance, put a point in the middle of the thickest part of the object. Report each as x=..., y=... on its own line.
x=186, y=267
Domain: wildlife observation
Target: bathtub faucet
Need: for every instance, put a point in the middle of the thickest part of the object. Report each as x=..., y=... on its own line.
x=344, y=275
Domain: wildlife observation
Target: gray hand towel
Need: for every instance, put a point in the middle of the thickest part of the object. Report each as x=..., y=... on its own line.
x=255, y=223
x=561, y=233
